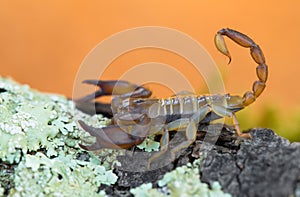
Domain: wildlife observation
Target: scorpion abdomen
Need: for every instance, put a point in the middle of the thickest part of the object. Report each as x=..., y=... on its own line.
x=177, y=105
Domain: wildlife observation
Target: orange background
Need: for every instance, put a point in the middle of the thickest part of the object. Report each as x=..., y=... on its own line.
x=42, y=43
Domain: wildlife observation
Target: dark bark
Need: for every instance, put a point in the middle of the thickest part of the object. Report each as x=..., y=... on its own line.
x=266, y=165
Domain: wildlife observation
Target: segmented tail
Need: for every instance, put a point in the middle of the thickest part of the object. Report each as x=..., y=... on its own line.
x=256, y=54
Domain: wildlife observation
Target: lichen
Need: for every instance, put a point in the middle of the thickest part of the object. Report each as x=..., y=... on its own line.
x=146, y=190
x=1, y=191
x=149, y=145
x=39, y=138
x=183, y=181
x=38, y=175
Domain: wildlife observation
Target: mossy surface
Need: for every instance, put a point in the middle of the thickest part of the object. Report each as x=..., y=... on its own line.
x=40, y=156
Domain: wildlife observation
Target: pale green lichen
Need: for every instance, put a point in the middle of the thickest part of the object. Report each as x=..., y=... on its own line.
x=183, y=181
x=37, y=175
x=149, y=145
x=146, y=190
x=1, y=191
x=39, y=136
x=31, y=121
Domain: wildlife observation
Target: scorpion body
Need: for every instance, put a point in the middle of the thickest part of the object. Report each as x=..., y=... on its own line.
x=135, y=115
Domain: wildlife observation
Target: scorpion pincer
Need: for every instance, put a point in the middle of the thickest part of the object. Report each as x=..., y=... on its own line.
x=136, y=116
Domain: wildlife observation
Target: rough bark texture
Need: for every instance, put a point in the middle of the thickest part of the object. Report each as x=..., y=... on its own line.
x=266, y=165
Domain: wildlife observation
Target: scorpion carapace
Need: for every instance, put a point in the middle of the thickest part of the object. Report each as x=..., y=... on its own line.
x=135, y=115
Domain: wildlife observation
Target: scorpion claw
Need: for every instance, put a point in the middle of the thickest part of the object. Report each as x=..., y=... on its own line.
x=89, y=97
x=92, y=82
x=102, y=139
x=92, y=108
x=117, y=87
x=92, y=147
x=91, y=130
x=115, y=137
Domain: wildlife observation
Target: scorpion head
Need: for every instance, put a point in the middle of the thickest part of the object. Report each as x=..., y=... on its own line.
x=130, y=109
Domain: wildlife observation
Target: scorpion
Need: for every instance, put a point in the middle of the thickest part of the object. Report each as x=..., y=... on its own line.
x=136, y=115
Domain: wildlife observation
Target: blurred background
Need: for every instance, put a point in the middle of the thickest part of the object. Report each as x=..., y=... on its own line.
x=42, y=43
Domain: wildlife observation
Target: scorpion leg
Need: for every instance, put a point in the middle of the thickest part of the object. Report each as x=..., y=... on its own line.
x=164, y=141
x=223, y=111
x=191, y=129
x=190, y=125
x=114, y=137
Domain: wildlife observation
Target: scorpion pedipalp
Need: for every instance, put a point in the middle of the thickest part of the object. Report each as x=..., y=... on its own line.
x=115, y=87
x=116, y=137
x=124, y=89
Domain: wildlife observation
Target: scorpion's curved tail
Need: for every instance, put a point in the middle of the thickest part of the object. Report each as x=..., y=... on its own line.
x=257, y=55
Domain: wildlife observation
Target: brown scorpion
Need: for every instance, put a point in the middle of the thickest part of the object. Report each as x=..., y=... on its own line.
x=136, y=116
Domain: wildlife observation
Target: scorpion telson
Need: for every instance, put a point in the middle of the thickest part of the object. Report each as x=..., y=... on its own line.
x=135, y=115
